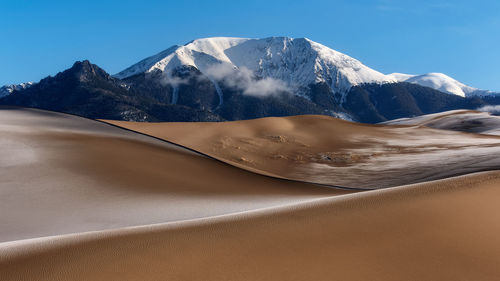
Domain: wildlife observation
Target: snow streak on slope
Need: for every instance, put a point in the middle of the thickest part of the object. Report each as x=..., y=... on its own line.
x=440, y=82
x=296, y=62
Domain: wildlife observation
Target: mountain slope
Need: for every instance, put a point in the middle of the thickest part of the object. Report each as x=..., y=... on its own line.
x=384, y=102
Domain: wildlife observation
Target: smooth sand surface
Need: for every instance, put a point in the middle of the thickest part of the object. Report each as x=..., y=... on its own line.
x=326, y=150
x=64, y=174
x=443, y=230
x=457, y=120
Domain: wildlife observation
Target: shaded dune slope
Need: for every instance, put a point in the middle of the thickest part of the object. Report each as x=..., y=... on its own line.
x=442, y=230
x=326, y=150
x=64, y=174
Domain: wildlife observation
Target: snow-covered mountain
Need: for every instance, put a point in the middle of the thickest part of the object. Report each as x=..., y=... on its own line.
x=296, y=62
x=441, y=82
x=8, y=89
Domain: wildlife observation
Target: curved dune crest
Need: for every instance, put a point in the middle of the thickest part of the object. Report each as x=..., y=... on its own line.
x=442, y=230
x=64, y=174
x=331, y=151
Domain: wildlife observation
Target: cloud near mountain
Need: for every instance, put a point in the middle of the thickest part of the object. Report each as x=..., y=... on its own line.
x=245, y=80
x=494, y=109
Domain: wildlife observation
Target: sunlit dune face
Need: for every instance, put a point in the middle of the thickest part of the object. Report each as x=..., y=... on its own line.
x=330, y=151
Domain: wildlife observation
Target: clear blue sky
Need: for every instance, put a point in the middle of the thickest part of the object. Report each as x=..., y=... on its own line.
x=459, y=38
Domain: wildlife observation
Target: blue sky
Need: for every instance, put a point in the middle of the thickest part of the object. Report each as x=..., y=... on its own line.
x=459, y=38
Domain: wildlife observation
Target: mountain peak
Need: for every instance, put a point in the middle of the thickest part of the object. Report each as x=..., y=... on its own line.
x=440, y=82
x=84, y=71
x=84, y=65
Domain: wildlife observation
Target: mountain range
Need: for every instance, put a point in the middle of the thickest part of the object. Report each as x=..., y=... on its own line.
x=217, y=79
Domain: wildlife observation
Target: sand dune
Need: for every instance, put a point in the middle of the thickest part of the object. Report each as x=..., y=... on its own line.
x=83, y=200
x=456, y=120
x=326, y=150
x=64, y=174
x=444, y=230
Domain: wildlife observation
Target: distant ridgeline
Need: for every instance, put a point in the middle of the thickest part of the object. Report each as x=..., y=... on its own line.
x=218, y=79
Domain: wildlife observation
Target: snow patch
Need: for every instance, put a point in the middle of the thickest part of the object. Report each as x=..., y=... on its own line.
x=175, y=95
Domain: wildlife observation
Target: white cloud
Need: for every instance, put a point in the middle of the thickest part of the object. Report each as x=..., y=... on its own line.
x=244, y=79
x=220, y=71
x=494, y=109
x=174, y=81
x=264, y=87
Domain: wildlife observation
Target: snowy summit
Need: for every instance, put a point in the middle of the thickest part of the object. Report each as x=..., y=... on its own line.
x=296, y=62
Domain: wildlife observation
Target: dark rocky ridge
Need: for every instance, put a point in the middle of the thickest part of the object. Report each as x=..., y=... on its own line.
x=87, y=90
